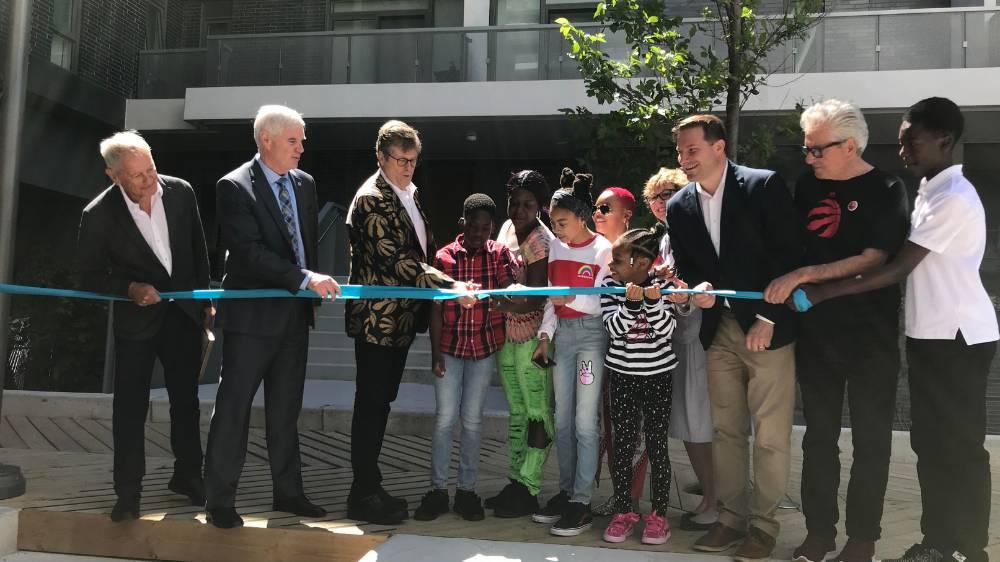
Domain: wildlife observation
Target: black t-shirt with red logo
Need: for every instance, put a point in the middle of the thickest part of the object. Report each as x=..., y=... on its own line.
x=844, y=217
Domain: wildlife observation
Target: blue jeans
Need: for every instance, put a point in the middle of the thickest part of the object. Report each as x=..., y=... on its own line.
x=462, y=390
x=580, y=346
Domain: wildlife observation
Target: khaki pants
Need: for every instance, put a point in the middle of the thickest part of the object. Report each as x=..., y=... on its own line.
x=759, y=386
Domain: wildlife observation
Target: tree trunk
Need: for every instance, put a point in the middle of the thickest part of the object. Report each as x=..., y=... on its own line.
x=735, y=53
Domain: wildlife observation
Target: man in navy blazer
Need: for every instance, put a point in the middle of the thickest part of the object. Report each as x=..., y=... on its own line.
x=141, y=236
x=735, y=227
x=268, y=219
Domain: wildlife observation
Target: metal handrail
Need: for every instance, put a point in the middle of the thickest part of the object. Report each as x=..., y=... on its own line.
x=226, y=64
x=328, y=216
x=542, y=27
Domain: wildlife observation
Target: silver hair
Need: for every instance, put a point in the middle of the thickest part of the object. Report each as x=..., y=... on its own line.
x=118, y=144
x=845, y=120
x=273, y=119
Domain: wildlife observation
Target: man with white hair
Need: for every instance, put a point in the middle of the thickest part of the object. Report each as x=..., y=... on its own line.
x=268, y=219
x=140, y=236
x=855, y=219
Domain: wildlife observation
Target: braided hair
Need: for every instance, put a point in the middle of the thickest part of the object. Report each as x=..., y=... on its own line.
x=533, y=182
x=643, y=241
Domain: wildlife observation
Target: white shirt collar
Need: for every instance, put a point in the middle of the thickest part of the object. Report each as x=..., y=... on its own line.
x=718, y=190
x=401, y=191
x=132, y=205
x=943, y=177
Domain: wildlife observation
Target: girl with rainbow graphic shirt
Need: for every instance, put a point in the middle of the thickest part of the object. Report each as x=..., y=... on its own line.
x=579, y=258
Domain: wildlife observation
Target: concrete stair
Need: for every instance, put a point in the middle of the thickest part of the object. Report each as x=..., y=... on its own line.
x=331, y=351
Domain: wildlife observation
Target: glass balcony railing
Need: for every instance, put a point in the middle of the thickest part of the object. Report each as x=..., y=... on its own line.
x=839, y=42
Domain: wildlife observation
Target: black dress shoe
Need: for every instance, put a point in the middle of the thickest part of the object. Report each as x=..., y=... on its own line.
x=224, y=517
x=193, y=488
x=401, y=503
x=125, y=509
x=375, y=510
x=299, y=506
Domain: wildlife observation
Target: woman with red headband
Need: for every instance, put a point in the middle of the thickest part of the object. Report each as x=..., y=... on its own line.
x=612, y=212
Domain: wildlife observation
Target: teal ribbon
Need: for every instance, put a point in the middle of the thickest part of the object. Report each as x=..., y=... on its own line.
x=801, y=301
x=365, y=292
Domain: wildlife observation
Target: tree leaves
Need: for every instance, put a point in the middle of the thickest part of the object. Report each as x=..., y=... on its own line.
x=670, y=69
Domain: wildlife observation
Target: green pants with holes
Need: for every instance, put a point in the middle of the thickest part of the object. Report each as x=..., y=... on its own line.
x=531, y=426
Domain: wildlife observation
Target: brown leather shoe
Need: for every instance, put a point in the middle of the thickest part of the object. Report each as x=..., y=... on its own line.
x=857, y=551
x=718, y=538
x=757, y=546
x=814, y=548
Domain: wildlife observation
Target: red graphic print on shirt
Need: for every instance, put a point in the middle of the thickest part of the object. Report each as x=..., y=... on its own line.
x=824, y=218
x=641, y=331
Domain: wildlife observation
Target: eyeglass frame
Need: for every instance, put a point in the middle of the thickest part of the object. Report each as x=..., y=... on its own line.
x=817, y=151
x=602, y=208
x=401, y=162
x=666, y=192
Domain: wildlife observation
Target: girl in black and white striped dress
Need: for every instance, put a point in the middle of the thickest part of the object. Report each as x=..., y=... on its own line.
x=639, y=362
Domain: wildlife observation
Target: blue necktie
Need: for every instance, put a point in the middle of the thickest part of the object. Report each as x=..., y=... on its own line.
x=285, y=202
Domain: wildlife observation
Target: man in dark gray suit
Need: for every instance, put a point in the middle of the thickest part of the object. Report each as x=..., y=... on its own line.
x=268, y=219
x=138, y=237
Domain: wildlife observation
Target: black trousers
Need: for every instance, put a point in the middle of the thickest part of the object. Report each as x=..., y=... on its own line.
x=280, y=362
x=948, y=409
x=864, y=362
x=178, y=347
x=380, y=369
x=640, y=401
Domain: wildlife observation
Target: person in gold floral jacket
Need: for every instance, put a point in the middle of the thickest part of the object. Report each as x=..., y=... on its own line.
x=391, y=244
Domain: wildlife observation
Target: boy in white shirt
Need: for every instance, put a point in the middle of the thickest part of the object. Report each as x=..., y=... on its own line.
x=952, y=334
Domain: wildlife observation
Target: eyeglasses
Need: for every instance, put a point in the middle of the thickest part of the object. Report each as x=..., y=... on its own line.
x=402, y=162
x=817, y=151
x=605, y=209
x=664, y=195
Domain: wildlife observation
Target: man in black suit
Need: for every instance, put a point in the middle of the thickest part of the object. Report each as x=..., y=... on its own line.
x=737, y=228
x=268, y=219
x=138, y=237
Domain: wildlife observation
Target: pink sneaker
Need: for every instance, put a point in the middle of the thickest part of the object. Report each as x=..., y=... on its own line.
x=657, y=529
x=620, y=527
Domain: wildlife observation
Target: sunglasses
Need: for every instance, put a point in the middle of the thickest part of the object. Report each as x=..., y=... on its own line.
x=605, y=209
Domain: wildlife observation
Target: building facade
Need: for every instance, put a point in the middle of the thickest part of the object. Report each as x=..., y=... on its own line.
x=484, y=81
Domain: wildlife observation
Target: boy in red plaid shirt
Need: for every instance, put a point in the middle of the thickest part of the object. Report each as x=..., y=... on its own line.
x=463, y=341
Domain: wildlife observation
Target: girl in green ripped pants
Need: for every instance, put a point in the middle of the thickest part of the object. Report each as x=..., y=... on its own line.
x=528, y=386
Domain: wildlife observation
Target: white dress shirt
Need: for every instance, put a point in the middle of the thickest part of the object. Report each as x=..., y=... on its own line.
x=945, y=293
x=711, y=209
x=407, y=197
x=153, y=226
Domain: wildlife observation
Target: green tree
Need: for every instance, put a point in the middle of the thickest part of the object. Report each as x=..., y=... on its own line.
x=672, y=69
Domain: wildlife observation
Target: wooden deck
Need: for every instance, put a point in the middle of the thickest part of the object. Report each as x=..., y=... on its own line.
x=67, y=462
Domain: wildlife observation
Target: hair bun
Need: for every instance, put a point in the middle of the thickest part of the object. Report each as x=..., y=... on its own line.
x=659, y=229
x=581, y=188
x=566, y=178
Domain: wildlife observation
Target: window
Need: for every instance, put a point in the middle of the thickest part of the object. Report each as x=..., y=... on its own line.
x=155, y=30
x=65, y=33
x=216, y=18
x=380, y=14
